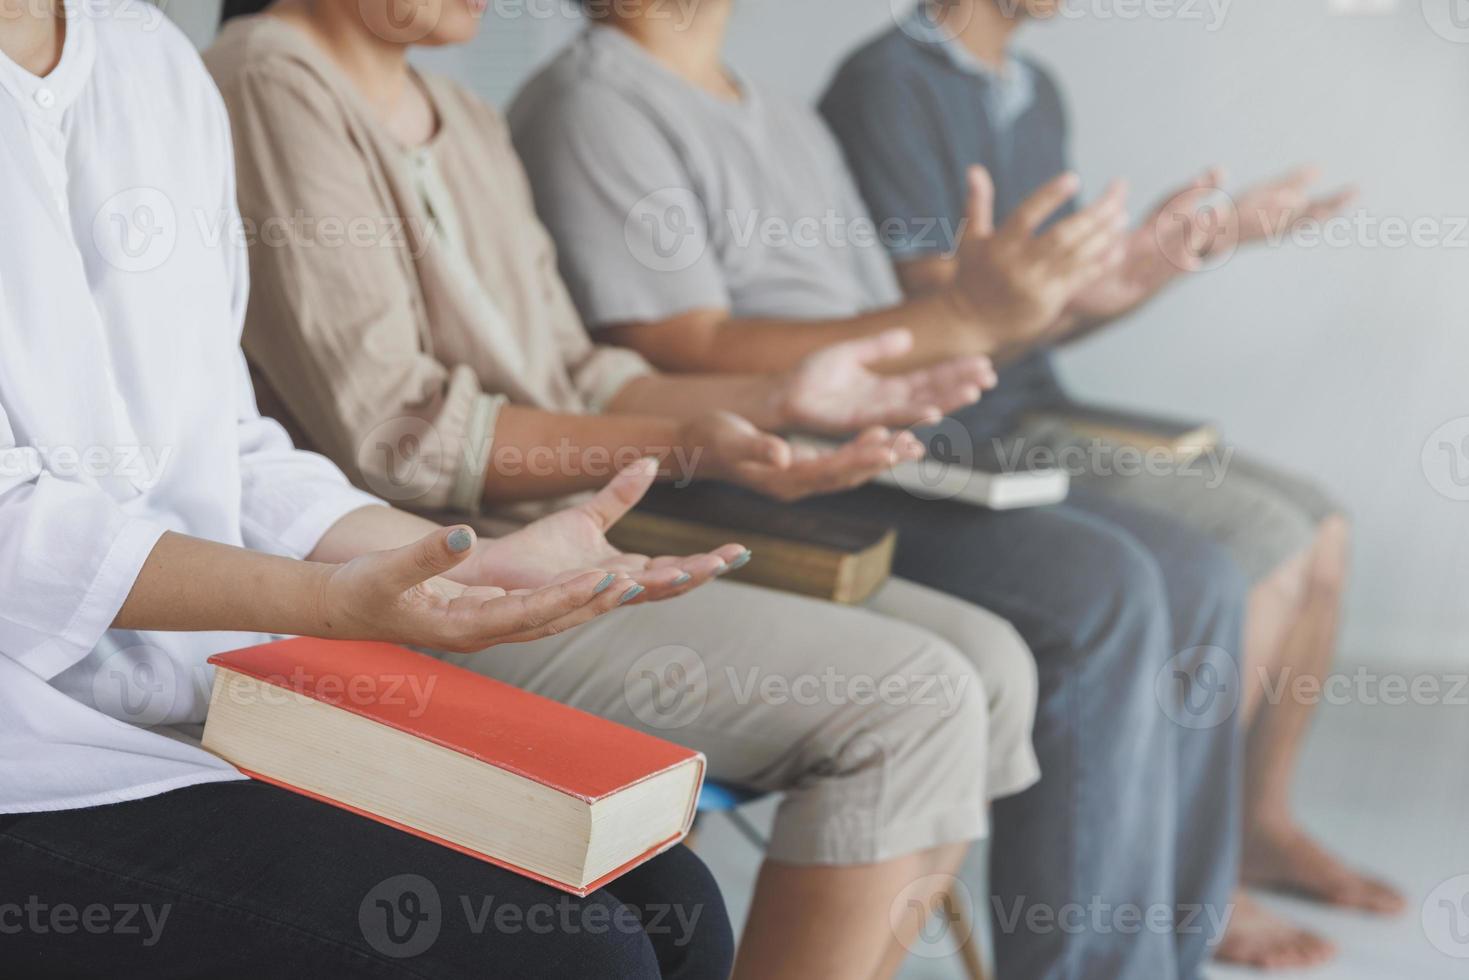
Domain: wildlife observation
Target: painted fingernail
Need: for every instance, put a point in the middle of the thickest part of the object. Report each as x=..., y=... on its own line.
x=683, y=579
x=631, y=594
x=605, y=584
x=460, y=540
x=740, y=562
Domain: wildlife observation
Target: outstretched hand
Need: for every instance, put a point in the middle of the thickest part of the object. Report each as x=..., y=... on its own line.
x=1018, y=280
x=556, y=548
x=402, y=596
x=1191, y=227
x=839, y=390
x=1269, y=210
x=1174, y=239
x=731, y=448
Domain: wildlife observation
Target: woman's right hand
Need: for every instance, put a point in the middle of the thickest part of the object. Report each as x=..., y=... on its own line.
x=724, y=446
x=399, y=596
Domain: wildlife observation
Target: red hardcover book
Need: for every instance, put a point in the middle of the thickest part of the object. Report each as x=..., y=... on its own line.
x=526, y=783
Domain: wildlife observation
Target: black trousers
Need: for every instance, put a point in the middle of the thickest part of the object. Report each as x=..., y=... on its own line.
x=245, y=880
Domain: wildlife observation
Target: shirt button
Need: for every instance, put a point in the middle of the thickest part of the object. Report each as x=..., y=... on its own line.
x=45, y=98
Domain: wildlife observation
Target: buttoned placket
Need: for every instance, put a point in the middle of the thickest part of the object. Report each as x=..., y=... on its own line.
x=44, y=103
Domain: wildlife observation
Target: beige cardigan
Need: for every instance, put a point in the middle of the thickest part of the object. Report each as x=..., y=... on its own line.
x=362, y=329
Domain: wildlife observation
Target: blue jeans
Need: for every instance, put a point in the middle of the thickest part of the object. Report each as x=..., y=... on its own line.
x=1137, y=808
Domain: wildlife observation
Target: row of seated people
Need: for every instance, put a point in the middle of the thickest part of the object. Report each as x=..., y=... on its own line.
x=595, y=273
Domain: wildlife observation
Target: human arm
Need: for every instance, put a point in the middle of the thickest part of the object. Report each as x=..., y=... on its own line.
x=1007, y=286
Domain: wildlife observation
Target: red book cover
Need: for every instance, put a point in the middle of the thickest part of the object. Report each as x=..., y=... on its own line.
x=560, y=747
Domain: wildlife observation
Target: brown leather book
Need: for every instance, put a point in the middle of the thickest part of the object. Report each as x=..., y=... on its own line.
x=1137, y=429
x=796, y=550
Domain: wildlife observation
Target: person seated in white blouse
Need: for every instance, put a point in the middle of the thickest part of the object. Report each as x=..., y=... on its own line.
x=149, y=517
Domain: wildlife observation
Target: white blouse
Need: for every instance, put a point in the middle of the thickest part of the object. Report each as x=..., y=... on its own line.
x=125, y=407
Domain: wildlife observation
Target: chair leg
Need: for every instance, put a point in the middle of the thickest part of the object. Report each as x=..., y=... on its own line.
x=969, y=950
x=747, y=829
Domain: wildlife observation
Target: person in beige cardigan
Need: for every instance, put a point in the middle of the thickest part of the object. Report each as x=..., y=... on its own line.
x=408, y=319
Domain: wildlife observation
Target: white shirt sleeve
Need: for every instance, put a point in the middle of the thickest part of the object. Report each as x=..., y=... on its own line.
x=68, y=558
x=289, y=498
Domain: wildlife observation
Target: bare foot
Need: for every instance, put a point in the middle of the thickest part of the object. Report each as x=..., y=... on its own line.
x=1289, y=860
x=1258, y=938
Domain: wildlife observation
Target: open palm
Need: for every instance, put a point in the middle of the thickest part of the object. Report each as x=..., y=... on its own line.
x=840, y=389
x=562, y=545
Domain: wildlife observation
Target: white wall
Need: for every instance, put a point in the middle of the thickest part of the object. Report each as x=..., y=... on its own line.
x=1338, y=360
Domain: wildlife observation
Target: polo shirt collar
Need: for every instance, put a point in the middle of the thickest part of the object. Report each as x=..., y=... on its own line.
x=1009, y=91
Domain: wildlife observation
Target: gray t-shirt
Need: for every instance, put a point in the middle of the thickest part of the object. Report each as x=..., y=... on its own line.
x=663, y=198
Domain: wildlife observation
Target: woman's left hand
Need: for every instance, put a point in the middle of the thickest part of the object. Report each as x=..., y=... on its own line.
x=560, y=546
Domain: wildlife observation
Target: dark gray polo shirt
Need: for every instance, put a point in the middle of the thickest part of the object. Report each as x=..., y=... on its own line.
x=913, y=111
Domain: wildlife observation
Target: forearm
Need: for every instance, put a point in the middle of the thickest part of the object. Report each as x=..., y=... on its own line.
x=189, y=584
x=715, y=343
x=756, y=397
x=541, y=455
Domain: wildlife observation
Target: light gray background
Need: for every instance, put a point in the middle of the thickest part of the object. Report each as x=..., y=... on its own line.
x=1340, y=360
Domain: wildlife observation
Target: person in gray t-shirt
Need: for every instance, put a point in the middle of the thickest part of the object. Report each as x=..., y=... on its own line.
x=714, y=227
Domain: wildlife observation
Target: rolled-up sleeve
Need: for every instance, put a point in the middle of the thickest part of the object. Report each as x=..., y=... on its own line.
x=69, y=556
x=334, y=326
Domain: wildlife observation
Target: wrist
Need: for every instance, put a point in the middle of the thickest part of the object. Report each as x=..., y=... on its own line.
x=967, y=329
x=771, y=402
x=319, y=617
x=696, y=457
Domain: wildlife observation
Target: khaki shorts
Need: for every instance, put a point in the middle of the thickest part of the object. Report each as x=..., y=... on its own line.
x=1261, y=514
x=886, y=729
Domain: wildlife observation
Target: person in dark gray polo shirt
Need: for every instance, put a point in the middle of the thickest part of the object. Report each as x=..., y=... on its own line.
x=942, y=92
x=713, y=226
